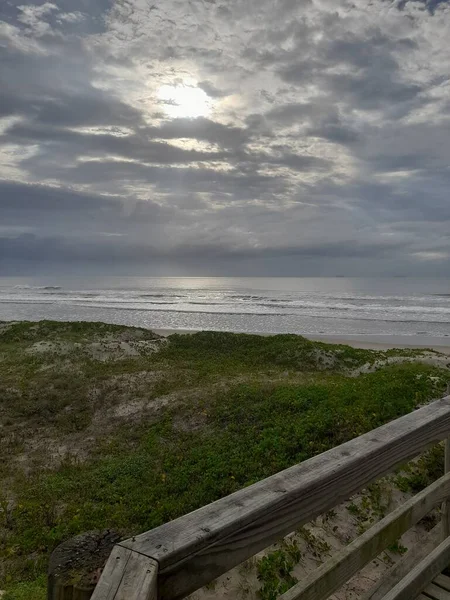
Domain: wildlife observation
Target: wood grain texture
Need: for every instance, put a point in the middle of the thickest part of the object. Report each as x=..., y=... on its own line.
x=195, y=549
x=336, y=571
x=436, y=592
x=405, y=565
x=443, y=581
x=112, y=574
x=139, y=581
x=417, y=580
x=446, y=503
x=127, y=576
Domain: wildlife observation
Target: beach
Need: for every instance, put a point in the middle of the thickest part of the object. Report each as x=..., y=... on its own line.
x=224, y=290
x=394, y=311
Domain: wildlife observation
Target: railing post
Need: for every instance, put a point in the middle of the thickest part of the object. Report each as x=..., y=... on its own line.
x=76, y=564
x=75, y=570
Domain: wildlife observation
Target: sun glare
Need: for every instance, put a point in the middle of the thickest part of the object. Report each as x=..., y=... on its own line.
x=184, y=101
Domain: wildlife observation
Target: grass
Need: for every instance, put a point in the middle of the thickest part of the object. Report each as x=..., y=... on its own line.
x=28, y=590
x=242, y=408
x=372, y=505
x=418, y=475
x=275, y=573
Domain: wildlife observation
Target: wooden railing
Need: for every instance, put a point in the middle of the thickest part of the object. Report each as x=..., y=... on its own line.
x=183, y=555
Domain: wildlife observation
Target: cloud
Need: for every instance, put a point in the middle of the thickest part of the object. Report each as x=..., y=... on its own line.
x=429, y=5
x=210, y=89
x=372, y=90
x=291, y=113
x=22, y=197
x=129, y=146
x=201, y=128
x=324, y=140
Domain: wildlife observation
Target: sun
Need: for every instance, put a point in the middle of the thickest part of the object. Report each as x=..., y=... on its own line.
x=184, y=101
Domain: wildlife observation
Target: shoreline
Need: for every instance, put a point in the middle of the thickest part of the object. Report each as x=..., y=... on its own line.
x=367, y=342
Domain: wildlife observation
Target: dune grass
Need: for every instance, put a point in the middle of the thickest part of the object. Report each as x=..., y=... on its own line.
x=242, y=408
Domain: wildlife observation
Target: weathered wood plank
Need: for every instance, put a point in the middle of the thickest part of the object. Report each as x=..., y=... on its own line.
x=436, y=592
x=446, y=503
x=195, y=549
x=330, y=576
x=418, y=579
x=443, y=581
x=127, y=576
x=139, y=581
x=112, y=574
x=405, y=565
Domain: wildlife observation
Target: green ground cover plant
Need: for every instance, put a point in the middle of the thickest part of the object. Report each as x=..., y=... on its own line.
x=113, y=427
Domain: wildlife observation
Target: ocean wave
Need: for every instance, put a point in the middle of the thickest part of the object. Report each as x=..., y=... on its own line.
x=375, y=319
x=361, y=308
x=179, y=310
x=26, y=301
x=246, y=297
x=37, y=287
x=317, y=315
x=374, y=311
x=161, y=296
x=209, y=303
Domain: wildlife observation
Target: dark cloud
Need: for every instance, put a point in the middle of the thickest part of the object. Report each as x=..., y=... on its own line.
x=295, y=134
x=211, y=89
x=238, y=184
x=372, y=90
x=335, y=132
x=66, y=250
x=297, y=162
x=373, y=78
x=135, y=146
x=374, y=53
x=70, y=110
x=92, y=108
x=40, y=208
x=201, y=128
x=291, y=113
x=24, y=197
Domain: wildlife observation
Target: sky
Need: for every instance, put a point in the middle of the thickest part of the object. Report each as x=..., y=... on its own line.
x=225, y=137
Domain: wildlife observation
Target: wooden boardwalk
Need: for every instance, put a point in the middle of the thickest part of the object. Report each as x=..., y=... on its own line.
x=172, y=561
x=438, y=590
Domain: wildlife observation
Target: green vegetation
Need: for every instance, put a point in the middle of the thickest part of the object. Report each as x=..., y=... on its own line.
x=28, y=590
x=372, y=505
x=397, y=548
x=316, y=545
x=275, y=570
x=112, y=427
x=417, y=475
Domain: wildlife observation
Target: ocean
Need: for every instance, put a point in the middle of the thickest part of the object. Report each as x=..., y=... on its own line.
x=312, y=306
